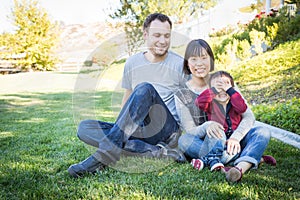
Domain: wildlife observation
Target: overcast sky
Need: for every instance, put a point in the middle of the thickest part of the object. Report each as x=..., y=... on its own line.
x=69, y=11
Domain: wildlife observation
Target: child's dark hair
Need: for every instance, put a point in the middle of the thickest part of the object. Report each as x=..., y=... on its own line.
x=161, y=17
x=221, y=73
x=194, y=48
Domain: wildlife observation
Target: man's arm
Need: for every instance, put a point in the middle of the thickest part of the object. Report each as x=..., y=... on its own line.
x=125, y=97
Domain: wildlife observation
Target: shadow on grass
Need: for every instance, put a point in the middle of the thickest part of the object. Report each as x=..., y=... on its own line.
x=38, y=143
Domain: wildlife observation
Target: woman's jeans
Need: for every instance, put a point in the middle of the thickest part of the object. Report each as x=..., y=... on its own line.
x=143, y=122
x=253, y=146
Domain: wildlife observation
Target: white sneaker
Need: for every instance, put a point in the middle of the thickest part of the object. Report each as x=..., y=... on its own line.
x=217, y=167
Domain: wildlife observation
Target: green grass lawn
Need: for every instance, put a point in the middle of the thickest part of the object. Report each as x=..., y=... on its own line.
x=38, y=143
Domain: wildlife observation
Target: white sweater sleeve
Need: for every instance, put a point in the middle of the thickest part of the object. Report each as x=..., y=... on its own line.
x=186, y=120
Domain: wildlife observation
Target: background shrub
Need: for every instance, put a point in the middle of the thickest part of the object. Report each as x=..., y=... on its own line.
x=285, y=115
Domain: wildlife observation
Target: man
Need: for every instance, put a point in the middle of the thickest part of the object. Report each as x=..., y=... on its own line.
x=147, y=123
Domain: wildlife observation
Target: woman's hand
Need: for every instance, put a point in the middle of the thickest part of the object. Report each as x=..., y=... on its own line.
x=214, y=130
x=233, y=146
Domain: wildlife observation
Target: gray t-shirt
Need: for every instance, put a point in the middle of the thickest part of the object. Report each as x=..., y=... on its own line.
x=166, y=76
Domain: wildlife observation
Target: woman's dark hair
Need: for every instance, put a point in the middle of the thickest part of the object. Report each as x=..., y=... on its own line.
x=154, y=16
x=221, y=73
x=195, y=48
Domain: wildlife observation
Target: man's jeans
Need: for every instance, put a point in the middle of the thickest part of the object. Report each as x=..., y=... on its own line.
x=143, y=121
x=253, y=146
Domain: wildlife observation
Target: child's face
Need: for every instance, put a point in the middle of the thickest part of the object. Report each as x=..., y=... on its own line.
x=199, y=65
x=221, y=83
x=222, y=97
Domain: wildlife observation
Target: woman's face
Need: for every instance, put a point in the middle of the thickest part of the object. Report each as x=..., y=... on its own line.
x=199, y=65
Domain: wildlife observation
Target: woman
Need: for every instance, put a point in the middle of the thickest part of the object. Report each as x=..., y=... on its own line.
x=246, y=143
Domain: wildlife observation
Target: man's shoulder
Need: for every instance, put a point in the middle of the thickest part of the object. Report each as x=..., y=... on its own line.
x=135, y=57
x=174, y=55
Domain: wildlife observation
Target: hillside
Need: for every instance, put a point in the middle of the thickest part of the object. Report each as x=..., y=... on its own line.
x=272, y=76
x=77, y=41
x=270, y=83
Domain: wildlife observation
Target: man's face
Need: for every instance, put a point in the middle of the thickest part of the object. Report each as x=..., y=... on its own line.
x=158, y=37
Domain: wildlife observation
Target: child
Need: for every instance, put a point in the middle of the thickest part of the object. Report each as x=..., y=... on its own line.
x=223, y=104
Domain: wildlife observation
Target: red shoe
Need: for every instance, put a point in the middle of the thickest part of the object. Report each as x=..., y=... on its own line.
x=269, y=160
x=225, y=169
x=233, y=174
x=197, y=164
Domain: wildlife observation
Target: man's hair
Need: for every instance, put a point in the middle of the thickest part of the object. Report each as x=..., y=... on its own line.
x=154, y=16
x=194, y=49
x=221, y=73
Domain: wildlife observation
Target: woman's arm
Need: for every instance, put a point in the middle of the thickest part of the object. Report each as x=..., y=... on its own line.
x=186, y=120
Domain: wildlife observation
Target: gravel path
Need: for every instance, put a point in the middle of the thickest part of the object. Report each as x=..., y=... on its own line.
x=55, y=82
x=37, y=82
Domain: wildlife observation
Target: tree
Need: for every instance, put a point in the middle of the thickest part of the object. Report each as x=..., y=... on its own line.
x=35, y=37
x=134, y=12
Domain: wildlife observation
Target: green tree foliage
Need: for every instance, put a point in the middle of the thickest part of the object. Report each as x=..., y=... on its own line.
x=134, y=12
x=35, y=37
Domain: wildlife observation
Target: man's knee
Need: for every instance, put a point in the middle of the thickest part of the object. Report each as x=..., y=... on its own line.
x=82, y=128
x=144, y=88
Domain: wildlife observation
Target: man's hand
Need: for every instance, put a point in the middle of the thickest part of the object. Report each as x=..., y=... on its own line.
x=233, y=146
x=126, y=95
x=214, y=130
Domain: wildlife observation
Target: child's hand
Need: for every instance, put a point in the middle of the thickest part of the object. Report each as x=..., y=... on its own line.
x=217, y=84
x=221, y=84
x=226, y=84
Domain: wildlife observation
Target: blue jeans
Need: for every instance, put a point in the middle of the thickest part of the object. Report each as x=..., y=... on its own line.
x=143, y=122
x=215, y=151
x=253, y=146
